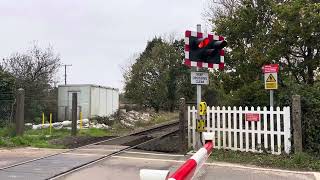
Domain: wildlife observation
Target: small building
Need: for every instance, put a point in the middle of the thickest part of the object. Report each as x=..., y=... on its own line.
x=92, y=100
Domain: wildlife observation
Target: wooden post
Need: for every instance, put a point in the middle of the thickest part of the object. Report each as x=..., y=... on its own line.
x=182, y=125
x=74, y=114
x=296, y=118
x=20, y=112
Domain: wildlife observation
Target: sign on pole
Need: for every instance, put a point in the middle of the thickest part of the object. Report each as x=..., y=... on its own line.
x=271, y=76
x=199, y=78
x=271, y=81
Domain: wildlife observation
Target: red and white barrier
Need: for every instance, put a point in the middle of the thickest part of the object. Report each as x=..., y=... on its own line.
x=191, y=166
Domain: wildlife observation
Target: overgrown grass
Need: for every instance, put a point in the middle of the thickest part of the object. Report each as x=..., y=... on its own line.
x=42, y=138
x=299, y=161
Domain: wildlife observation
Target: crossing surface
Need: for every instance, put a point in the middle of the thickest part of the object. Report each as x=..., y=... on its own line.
x=128, y=165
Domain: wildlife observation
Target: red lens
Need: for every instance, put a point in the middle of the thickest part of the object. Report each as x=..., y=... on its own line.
x=203, y=43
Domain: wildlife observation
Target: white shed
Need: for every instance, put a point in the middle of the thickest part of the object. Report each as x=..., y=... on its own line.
x=93, y=100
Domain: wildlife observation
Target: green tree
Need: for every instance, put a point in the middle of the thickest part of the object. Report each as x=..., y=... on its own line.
x=157, y=78
x=34, y=71
x=7, y=100
x=263, y=32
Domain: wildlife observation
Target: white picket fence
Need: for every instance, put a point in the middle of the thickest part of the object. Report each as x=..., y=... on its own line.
x=231, y=130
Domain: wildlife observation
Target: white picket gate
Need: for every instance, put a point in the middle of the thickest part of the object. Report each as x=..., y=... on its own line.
x=231, y=130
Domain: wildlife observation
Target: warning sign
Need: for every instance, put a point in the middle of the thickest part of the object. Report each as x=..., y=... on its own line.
x=252, y=117
x=271, y=78
x=271, y=81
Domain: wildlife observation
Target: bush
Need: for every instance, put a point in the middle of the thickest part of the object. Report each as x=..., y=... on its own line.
x=310, y=106
x=8, y=131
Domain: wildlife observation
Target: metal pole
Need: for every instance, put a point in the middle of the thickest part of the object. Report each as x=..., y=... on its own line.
x=271, y=98
x=198, y=86
x=65, y=74
x=198, y=143
x=74, y=114
x=20, y=112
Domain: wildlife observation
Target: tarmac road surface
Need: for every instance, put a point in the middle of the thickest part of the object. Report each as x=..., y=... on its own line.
x=127, y=166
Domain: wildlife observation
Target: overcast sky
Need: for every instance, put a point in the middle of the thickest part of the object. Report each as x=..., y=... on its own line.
x=96, y=36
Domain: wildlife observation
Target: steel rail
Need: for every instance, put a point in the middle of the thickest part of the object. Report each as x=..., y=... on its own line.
x=107, y=156
x=95, y=143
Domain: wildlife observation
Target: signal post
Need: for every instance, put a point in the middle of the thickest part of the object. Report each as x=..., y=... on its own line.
x=202, y=51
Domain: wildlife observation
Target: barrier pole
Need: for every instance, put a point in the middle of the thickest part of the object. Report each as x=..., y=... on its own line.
x=189, y=168
x=80, y=120
x=192, y=165
x=50, y=122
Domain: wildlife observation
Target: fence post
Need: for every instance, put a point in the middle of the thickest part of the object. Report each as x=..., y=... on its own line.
x=296, y=118
x=182, y=125
x=20, y=112
x=74, y=114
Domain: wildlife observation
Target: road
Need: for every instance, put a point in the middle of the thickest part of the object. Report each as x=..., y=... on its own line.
x=128, y=164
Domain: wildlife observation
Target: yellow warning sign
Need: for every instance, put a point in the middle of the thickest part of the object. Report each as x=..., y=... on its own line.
x=271, y=81
x=203, y=108
x=271, y=78
x=201, y=125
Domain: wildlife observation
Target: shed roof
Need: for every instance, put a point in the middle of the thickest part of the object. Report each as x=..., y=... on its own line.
x=91, y=85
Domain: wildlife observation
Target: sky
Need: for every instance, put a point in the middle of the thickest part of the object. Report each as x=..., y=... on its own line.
x=97, y=37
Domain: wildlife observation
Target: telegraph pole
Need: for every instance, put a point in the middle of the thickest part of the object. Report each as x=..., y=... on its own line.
x=65, y=72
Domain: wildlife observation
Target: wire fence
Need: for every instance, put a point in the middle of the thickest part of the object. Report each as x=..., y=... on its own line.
x=7, y=108
x=34, y=107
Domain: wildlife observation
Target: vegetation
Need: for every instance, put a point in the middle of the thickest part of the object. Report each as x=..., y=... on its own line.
x=43, y=138
x=300, y=161
x=61, y=138
x=158, y=79
x=33, y=71
x=264, y=32
x=258, y=33
x=7, y=88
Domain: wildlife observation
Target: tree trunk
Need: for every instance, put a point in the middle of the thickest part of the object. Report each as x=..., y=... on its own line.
x=310, y=73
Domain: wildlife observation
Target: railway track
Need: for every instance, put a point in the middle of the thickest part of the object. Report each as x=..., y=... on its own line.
x=58, y=165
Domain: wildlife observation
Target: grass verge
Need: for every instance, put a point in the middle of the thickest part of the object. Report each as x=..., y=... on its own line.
x=61, y=138
x=299, y=161
x=42, y=138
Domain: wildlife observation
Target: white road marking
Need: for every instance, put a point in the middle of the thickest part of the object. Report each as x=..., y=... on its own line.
x=155, y=154
x=316, y=175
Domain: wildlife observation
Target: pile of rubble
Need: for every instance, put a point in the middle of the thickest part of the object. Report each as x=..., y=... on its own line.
x=130, y=118
x=67, y=125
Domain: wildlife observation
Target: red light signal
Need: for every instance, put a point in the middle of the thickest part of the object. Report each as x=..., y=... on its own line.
x=204, y=43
